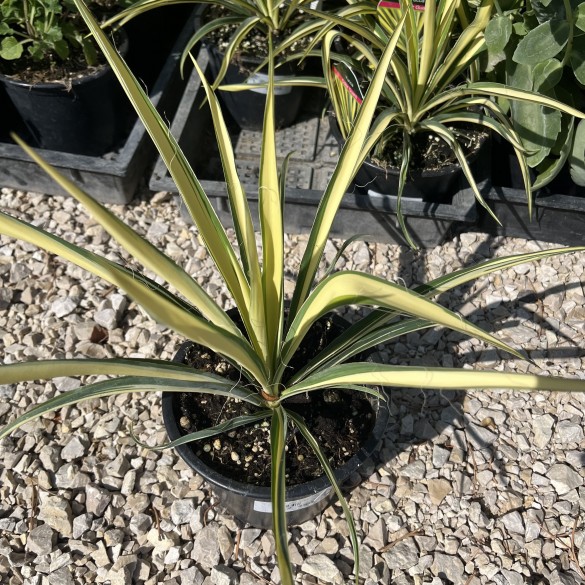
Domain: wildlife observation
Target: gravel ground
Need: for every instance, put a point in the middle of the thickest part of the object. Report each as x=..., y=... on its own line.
x=471, y=488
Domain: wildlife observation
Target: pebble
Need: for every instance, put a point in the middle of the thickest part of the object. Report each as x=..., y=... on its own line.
x=41, y=540
x=564, y=478
x=56, y=513
x=322, y=567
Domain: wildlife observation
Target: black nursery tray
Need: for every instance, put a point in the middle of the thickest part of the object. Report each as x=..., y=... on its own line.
x=113, y=177
x=315, y=153
x=558, y=209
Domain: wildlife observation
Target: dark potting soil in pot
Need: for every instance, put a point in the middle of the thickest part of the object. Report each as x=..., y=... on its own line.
x=429, y=151
x=340, y=420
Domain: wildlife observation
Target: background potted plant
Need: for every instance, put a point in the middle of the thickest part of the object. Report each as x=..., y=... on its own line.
x=54, y=75
x=535, y=45
x=235, y=35
x=432, y=89
x=271, y=336
x=538, y=46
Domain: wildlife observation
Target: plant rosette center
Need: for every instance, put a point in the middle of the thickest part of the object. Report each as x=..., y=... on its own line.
x=340, y=420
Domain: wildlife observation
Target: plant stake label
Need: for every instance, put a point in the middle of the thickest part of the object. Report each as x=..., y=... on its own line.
x=262, y=78
x=290, y=506
x=349, y=80
x=416, y=4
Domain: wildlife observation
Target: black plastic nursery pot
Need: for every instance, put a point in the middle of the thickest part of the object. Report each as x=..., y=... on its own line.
x=113, y=176
x=433, y=186
x=314, y=155
x=247, y=107
x=252, y=504
x=558, y=208
x=85, y=117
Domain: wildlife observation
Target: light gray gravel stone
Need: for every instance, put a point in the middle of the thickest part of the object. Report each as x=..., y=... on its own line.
x=182, y=511
x=41, y=540
x=97, y=499
x=513, y=522
x=56, y=513
x=140, y=523
x=564, y=478
x=403, y=555
x=74, y=449
x=222, y=575
x=450, y=567
x=206, y=546
x=63, y=307
x=322, y=567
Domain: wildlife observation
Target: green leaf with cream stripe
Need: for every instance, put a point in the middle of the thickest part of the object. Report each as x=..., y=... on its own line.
x=347, y=288
x=195, y=199
x=434, y=379
x=159, y=303
x=340, y=179
x=140, y=248
x=124, y=385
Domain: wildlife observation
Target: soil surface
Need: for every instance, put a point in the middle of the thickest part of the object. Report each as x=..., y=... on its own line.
x=340, y=421
x=429, y=151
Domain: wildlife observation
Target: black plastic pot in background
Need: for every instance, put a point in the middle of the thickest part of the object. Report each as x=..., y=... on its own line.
x=252, y=504
x=87, y=116
x=433, y=186
x=247, y=107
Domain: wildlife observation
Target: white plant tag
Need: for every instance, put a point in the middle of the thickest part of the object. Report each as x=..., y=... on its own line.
x=300, y=504
x=259, y=78
x=372, y=193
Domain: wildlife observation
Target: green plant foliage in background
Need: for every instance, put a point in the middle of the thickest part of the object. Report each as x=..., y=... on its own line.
x=539, y=45
x=47, y=30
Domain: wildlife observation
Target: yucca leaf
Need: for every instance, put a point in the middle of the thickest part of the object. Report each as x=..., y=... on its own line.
x=200, y=34
x=349, y=287
x=140, y=248
x=270, y=205
x=434, y=379
x=164, y=307
x=447, y=135
x=340, y=180
x=124, y=385
x=341, y=350
x=493, y=89
x=234, y=43
x=328, y=470
x=47, y=369
x=278, y=432
x=196, y=201
x=229, y=425
x=428, y=48
x=354, y=340
x=241, y=216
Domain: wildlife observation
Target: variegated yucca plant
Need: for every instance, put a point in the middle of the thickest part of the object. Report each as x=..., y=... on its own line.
x=432, y=85
x=254, y=278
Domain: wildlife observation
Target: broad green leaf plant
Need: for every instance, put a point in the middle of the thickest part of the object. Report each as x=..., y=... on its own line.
x=254, y=276
x=432, y=84
x=539, y=45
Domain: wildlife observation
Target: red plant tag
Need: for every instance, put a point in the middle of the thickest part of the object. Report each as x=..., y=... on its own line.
x=349, y=80
x=416, y=4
